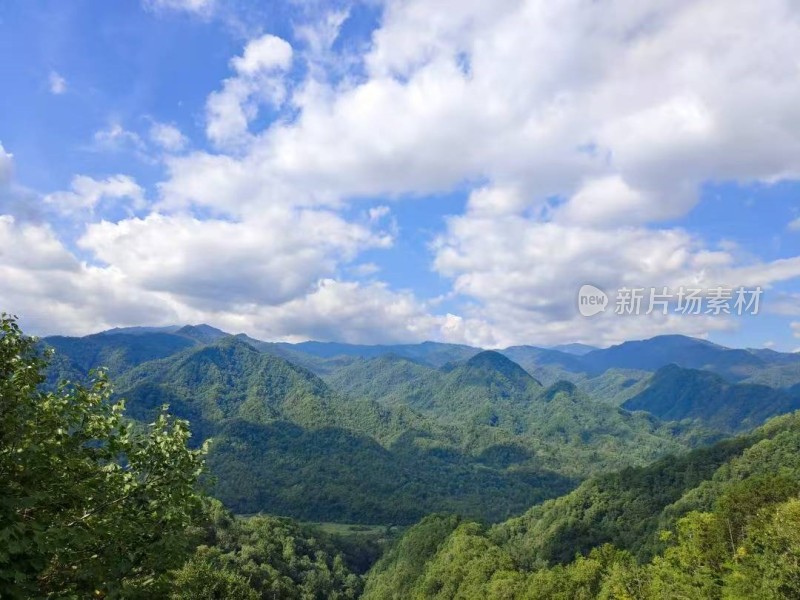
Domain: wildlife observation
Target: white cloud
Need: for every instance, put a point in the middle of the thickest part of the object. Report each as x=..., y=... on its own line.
x=268, y=259
x=620, y=109
x=85, y=193
x=267, y=53
x=54, y=292
x=796, y=330
x=258, y=80
x=167, y=136
x=580, y=126
x=338, y=310
x=58, y=85
x=32, y=247
x=651, y=96
x=609, y=200
x=115, y=138
x=794, y=225
x=523, y=273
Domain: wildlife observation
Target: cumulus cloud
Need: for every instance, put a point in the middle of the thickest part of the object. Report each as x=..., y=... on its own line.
x=267, y=260
x=338, y=310
x=167, y=136
x=86, y=193
x=258, y=80
x=267, y=53
x=620, y=111
x=640, y=110
x=524, y=273
x=53, y=291
x=580, y=127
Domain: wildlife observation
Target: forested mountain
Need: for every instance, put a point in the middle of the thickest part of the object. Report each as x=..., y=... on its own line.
x=562, y=427
x=579, y=363
x=575, y=348
x=652, y=354
x=674, y=393
x=728, y=515
x=387, y=439
x=284, y=442
x=432, y=353
x=396, y=432
x=118, y=353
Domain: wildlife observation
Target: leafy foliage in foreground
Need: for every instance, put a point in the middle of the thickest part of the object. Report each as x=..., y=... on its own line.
x=89, y=505
x=93, y=505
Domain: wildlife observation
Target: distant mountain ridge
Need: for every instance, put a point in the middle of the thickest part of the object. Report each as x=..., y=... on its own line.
x=735, y=364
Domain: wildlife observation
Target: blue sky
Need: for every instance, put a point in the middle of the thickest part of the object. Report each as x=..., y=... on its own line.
x=398, y=171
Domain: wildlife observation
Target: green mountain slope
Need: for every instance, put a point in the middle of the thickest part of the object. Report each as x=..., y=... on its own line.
x=735, y=532
x=674, y=393
x=333, y=474
x=284, y=442
x=489, y=395
x=116, y=352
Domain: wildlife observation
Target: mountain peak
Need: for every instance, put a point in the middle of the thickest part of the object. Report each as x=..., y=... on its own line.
x=575, y=348
x=489, y=359
x=202, y=333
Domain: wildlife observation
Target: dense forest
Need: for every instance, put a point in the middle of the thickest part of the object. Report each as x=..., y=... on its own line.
x=526, y=490
x=722, y=522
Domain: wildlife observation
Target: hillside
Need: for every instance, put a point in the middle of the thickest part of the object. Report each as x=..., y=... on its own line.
x=674, y=393
x=731, y=510
x=692, y=353
x=284, y=442
x=562, y=427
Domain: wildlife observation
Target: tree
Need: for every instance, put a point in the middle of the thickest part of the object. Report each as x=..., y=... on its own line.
x=91, y=504
x=768, y=565
x=202, y=579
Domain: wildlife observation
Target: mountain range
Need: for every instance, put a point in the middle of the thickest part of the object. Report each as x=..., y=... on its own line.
x=386, y=434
